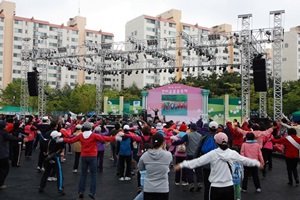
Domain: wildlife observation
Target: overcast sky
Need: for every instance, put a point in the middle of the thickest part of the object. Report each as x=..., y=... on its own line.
x=112, y=15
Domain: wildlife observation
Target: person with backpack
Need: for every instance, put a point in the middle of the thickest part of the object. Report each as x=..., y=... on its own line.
x=207, y=144
x=221, y=161
x=192, y=140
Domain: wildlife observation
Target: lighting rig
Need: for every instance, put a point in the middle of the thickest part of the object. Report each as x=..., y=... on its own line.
x=201, y=52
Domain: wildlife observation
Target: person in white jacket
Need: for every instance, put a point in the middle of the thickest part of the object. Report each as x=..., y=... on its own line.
x=221, y=161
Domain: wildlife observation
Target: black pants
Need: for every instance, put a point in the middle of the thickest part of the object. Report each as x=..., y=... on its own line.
x=224, y=193
x=4, y=169
x=254, y=172
x=156, y=196
x=206, y=173
x=51, y=165
x=100, y=158
x=267, y=155
x=190, y=173
x=178, y=174
x=28, y=148
x=16, y=153
x=41, y=159
x=76, y=161
x=122, y=161
x=291, y=166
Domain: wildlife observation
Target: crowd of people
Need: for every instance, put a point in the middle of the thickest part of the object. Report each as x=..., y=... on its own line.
x=217, y=158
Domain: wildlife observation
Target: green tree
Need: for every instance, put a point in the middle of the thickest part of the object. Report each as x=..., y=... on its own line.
x=11, y=94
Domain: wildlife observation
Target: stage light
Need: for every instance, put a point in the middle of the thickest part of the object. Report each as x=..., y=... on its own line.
x=165, y=70
x=160, y=70
x=193, y=69
x=149, y=71
x=89, y=72
x=137, y=71
x=142, y=71
x=177, y=70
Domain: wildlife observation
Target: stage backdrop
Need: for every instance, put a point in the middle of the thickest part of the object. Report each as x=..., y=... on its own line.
x=175, y=102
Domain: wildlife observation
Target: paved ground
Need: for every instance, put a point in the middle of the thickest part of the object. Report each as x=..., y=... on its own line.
x=23, y=183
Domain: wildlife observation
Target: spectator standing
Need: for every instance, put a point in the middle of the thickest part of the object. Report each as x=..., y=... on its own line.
x=156, y=162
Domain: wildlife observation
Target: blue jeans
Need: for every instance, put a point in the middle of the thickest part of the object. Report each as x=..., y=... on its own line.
x=88, y=163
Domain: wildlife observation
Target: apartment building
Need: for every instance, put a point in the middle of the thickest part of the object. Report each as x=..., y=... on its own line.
x=168, y=25
x=14, y=29
x=291, y=55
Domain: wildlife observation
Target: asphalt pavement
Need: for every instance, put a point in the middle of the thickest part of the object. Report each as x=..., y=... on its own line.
x=23, y=184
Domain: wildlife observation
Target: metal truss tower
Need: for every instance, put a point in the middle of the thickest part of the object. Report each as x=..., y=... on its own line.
x=24, y=97
x=245, y=37
x=277, y=62
x=42, y=72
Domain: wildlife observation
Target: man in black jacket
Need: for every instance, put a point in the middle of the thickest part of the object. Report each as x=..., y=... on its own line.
x=5, y=137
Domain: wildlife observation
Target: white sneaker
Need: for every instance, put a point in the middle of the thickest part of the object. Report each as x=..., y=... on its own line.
x=258, y=190
x=176, y=183
x=49, y=179
x=43, y=169
x=54, y=179
x=74, y=170
x=121, y=179
x=127, y=178
x=184, y=183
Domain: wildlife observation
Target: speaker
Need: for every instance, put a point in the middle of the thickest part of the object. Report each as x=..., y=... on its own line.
x=260, y=75
x=32, y=80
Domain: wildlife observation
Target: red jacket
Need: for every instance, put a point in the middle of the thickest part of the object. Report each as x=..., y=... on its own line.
x=89, y=142
x=290, y=150
x=237, y=138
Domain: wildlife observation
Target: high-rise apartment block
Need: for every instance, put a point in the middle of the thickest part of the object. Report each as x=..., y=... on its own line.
x=13, y=31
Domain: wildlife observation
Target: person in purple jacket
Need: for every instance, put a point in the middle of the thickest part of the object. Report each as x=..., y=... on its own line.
x=101, y=130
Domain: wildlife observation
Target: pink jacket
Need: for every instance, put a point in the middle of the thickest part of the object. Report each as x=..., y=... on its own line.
x=267, y=141
x=258, y=134
x=252, y=150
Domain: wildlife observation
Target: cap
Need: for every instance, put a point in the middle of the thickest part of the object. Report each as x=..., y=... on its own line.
x=183, y=127
x=221, y=138
x=159, y=125
x=87, y=125
x=126, y=127
x=45, y=118
x=213, y=125
x=157, y=140
x=78, y=126
x=193, y=126
x=55, y=134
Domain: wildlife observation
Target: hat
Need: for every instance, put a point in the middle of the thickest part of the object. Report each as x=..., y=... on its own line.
x=87, y=125
x=55, y=134
x=183, y=127
x=159, y=125
x=193, y=126
x=157, y=140
x=68, y=123
x=2, y=124
x=126, y=127
x=78, y=126
x=45, y=118
x=213, y=125
x=221, y=138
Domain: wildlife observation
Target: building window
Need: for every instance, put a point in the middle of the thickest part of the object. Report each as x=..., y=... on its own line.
x=107, y=37
x=172, y=33
x=74, y=40
x=150, y=21
x=18, y=22
x=172, y=25
x=150, y=29
x=186, y=28
x=73, y=76
x=16, y=38
x=42, y=26
x=17, y=47
x=15, y=63
x=88, y=78
x=1, y=28
x=52, y=75
x=75, y=32
x=53, y=29
x=1, y=19
x=17, y=30
x=89, y=34
x=16, y=71
x=1, y=36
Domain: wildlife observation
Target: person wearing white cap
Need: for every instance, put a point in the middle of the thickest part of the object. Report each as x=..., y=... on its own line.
x=221, y=162
x=52, y=161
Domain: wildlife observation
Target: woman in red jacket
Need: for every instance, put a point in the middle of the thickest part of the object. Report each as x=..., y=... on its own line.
x=291, y=154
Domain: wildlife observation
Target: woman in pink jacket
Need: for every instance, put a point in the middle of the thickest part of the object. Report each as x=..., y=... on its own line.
x=251, y=149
